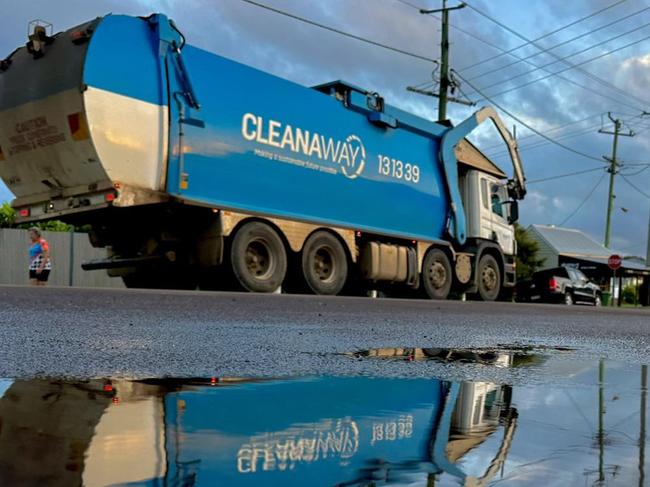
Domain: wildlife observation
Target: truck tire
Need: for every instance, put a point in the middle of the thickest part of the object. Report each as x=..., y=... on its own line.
x=258, y=258
x=324, y=264
x=489, y=278
x=436, y=274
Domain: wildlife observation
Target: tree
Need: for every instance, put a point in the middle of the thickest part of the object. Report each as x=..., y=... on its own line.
x=51, y=226
x=527, y=250
x=7, y=215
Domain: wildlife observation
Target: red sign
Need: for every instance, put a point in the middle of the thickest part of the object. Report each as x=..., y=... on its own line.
x=614, y=262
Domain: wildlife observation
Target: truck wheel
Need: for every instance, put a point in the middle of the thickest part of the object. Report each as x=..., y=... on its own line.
x=258, y=258
x=489, y=278
x=324, y=264
x=436, y=274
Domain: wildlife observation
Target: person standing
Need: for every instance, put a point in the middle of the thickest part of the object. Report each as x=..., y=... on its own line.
x=40, y=264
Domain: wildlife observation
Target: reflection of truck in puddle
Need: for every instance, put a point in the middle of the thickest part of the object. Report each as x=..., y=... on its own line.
x=308, y=431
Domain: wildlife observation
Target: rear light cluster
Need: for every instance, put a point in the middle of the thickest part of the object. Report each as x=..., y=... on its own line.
x=553, y=285
x=108, y=197
x=81, y=36
x=24, y=212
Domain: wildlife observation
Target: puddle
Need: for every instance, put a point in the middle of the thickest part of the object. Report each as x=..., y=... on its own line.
x=346, y=431
x=501, y=356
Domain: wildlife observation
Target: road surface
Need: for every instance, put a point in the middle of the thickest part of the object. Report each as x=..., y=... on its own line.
x=138, y=334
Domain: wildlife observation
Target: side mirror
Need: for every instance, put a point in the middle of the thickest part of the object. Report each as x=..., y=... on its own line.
x=514, y=211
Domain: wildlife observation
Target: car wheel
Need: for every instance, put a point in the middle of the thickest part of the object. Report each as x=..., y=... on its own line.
x=598, y=301
x=568, y=299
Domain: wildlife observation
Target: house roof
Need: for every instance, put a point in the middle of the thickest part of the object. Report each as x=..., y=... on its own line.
x=627, y=264
x=576, y=245
x=570, y=242
x=468, y=154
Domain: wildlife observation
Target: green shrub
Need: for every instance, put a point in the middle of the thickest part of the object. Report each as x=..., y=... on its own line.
x=629, y=294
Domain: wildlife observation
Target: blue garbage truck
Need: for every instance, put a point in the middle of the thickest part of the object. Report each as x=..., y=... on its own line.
x=195, y=170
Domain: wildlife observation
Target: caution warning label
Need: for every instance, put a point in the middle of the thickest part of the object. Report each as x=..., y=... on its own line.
x=33, y=134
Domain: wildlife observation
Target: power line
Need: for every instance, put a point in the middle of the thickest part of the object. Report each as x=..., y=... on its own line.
x=548, y=34
x=414, y=55
x=409, y=4
x=542, y=143
x=560, y=176
x=572, y=66
x=537, y=144
x=636, y=163
x=639, y=190
x=503, y=51
x=529, y=127
x=552, y=129
x=582, y=203
x=643, y=169
x=341, y=32
x=563, y=43
x=568, y=41
x=582, y=70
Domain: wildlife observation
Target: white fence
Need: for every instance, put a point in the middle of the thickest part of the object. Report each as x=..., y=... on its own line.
x=67, y=250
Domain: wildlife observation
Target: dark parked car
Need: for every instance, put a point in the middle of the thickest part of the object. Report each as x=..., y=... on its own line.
x=559, y=285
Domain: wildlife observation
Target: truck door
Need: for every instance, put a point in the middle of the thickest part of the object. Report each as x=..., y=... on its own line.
x=494, y=214
x=186, y=125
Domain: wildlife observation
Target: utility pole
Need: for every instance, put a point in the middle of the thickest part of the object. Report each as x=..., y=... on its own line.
x=647, y=258
x=601, y=421
x=612, y=170
x=445, y=81
x=642, y=413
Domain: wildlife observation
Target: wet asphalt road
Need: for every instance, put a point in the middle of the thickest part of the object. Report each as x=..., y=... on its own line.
x=99, y=333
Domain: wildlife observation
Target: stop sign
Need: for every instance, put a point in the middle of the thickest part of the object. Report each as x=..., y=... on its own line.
x=614, y=262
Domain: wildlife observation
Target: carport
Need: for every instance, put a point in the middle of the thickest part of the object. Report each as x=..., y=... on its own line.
x=596, y=269
x=570, y=247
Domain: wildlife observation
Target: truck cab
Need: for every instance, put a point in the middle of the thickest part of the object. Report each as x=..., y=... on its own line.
x=489, y=209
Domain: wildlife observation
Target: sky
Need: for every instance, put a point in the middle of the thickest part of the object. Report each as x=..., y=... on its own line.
x=576, y=99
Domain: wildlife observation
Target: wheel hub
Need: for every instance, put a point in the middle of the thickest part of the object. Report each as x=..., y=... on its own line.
x=489, y=278
x=437, y=275
x=323, y=260
x=259, y=261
